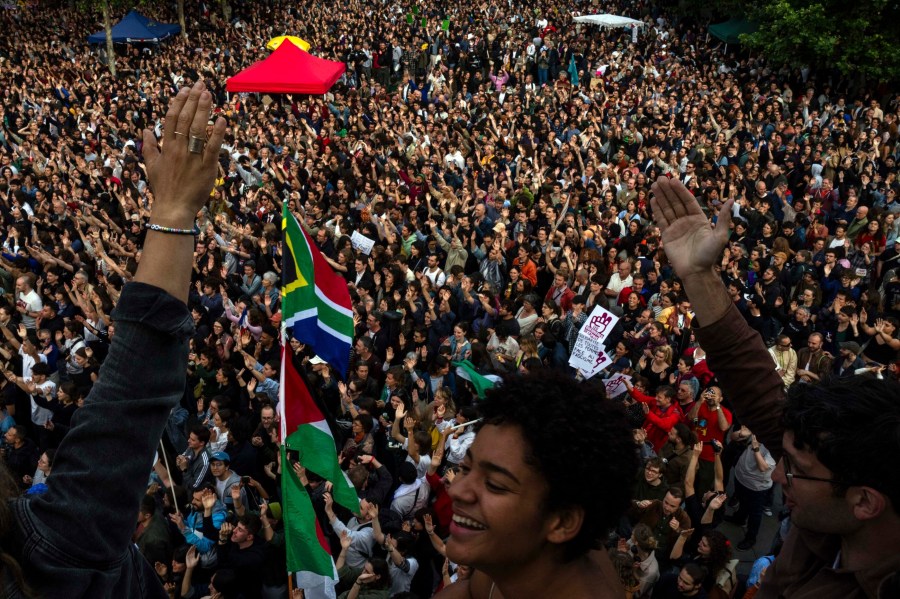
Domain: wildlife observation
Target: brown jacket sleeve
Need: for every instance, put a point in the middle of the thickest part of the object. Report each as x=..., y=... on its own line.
x=746, y=374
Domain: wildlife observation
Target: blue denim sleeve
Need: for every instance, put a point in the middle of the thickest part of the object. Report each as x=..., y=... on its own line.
x=101, y=467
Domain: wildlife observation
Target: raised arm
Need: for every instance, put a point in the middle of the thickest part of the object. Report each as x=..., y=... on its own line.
x=123, y=418
x=736, y=353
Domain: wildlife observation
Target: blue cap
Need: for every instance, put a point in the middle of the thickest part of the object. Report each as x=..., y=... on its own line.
x=221, y=456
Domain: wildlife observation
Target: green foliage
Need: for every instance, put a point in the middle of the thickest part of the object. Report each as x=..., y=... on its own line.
x=861, y=39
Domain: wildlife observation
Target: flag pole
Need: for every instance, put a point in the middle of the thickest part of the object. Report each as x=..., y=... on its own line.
x=162, y=450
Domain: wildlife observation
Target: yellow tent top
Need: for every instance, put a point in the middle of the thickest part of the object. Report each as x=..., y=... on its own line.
x=276, y=41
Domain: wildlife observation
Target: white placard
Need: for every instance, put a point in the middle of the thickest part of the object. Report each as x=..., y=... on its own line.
x=361, y=243
x=599, y=324
x=588, y=355
x=615, y=385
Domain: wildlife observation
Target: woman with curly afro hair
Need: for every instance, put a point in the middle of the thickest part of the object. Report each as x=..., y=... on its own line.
x=714, y=554
x=545, y=480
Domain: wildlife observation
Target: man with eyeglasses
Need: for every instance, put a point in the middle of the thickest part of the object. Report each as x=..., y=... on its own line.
x=832, y=439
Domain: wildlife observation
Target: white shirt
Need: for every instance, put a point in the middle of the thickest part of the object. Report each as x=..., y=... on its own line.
x=617, y=284
x=456, y=448
x=28, y=363
x=437, y=276
x=39, y=415
x=31, y=301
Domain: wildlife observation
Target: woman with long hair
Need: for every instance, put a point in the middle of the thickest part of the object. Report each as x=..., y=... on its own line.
x=528, y=348
x=623, y=563
x=68, y=399
x=714, y=554
x=44, y=466
x=657, y=369
x=220, y=338
x=442, y=408
x=219, y=435
x=90, y=370
x=642, y=545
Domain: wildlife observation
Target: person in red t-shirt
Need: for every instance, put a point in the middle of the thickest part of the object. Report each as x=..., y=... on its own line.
x=710, y=421
x=661, y=413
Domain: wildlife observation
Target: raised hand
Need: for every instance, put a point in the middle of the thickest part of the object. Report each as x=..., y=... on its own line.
x=697, y=449
x=208, y=499
x=189, y=112
x=691, y=243
x=718, y=501
x=192, y=559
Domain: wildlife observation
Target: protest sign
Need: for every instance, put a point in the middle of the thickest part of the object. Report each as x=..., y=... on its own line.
x=361, y=243
x=588, y=355
x=615, y=385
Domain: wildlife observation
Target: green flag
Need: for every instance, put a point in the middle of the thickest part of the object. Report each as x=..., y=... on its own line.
x=466, y=370
x=308, y=551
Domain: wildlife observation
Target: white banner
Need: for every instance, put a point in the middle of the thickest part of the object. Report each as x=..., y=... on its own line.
x=361, y=243
x=615, y=385
x=588, y=356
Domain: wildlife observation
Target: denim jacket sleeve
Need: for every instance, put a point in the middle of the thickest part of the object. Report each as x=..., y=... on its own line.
x=76, y=539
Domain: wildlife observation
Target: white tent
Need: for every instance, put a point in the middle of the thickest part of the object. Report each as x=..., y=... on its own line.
x=606, y=20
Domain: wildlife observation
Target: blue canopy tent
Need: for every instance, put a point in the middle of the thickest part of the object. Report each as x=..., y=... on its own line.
x=135, y=27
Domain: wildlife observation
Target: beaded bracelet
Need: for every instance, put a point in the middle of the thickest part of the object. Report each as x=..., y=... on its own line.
x=161, y=229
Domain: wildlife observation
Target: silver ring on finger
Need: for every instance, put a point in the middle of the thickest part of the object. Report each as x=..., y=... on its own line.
x=195, y=145
x=180, y=133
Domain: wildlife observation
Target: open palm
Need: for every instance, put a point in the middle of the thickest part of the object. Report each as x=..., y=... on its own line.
x=690, y=242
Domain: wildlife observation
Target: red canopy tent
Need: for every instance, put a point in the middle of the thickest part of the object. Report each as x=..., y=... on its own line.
x=288, y=70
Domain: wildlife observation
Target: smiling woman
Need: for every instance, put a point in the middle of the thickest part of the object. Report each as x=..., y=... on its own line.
x=545, y=479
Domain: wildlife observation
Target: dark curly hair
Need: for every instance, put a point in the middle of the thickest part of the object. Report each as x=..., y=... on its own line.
x=580, y=442
x=850, y=425
x=719, y=552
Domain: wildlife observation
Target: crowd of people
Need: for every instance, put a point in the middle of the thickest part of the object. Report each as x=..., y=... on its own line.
x=498, y=158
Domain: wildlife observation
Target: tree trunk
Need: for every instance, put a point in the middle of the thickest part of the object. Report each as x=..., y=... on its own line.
x=110, y=49
x=181, y=19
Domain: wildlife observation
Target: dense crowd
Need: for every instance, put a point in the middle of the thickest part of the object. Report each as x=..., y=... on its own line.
x=501, y=164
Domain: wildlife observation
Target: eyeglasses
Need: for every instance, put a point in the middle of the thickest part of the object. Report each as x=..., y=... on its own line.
x=784, y=345
x=790, y=476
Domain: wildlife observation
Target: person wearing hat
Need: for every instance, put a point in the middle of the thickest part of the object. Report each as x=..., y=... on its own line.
x=849, y=361
x=226, y=481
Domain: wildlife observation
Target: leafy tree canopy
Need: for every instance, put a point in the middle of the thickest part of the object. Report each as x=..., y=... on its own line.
x=861, y=39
